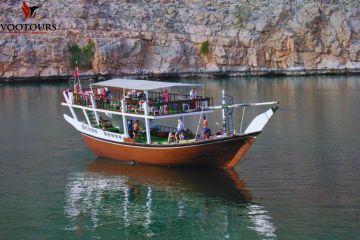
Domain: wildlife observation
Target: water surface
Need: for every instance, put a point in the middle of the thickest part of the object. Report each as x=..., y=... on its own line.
x=300, y=180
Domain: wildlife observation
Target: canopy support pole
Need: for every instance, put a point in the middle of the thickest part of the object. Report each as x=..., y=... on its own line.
x=223, y=102
x=126, y=131
x=147, y=121
x=197, y=130
x=86, y=117
x=93, y=103
x=69, y=101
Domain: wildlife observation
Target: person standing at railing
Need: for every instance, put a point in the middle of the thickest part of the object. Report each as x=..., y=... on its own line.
x=161, y=101
x=108, y=93
x=103, y=93
x=76, y=88
x=166, y=98
x=193, y=93
x=76, y=92
x=193, y=96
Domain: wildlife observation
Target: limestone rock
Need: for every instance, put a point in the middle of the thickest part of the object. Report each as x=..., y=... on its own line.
x=162, y=36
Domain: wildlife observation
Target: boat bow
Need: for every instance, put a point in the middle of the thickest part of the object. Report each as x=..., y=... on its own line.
x=259, y=122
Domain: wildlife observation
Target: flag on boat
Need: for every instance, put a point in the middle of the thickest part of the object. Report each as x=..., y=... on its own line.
x=77, y=84
x=76, y=74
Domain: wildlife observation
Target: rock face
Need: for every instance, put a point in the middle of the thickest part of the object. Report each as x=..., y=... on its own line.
x=164, y=37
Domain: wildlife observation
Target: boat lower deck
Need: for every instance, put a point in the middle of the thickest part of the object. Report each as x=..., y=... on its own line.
x=157, y=137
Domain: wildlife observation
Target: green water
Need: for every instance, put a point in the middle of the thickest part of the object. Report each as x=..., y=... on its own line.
x=300, y=180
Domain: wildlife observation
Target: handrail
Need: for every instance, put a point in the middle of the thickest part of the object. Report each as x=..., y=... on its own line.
x=134, y=105
x=245, y=105
x=179, y=106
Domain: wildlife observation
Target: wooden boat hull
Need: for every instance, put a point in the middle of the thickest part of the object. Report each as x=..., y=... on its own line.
x=222, y=152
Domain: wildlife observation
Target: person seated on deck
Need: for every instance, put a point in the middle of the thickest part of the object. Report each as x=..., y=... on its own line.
x=182, y=136
x=179, y=130
x=171, y=137
x=104, y=123
x=136, y=130
x=128, y=95
x=130, y=128
x=205, y=130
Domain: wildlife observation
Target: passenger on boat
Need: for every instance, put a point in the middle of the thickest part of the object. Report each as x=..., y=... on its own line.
x=166, y=99
x=136, y=130
x=128, y=95
x=193, y=93
x=130, y=128
x=103, y=123
x=206, y=130
x=103, y=93
x=193, y=96
x=179, y=130
x=77, y=88
x=108, y=93
x=171, y=137
x=182, y=136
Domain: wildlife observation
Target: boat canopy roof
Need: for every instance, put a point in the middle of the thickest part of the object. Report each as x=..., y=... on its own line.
x=141, y=84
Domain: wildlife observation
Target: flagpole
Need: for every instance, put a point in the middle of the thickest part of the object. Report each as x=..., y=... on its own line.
x=76, y=75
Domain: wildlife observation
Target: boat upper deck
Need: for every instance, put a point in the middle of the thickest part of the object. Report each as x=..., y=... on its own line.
x=131, y=96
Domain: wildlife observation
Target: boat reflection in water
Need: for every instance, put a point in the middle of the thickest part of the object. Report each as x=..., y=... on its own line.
x=152, y=202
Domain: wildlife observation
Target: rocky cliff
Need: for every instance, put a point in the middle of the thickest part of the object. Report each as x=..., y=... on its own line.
x=164, y=36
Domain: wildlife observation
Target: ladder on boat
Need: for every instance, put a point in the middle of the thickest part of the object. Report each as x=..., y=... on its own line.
x=91, y=117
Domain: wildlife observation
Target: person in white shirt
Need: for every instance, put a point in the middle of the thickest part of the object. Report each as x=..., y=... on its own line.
x=193, y=93
x=179, y=130
x=193, y=96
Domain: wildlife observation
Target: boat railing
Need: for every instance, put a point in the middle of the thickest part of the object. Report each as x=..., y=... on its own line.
x=107, y=103
x=156, y=106
x=163, y=130
x=179, y=106
x=82, y=99
x=172, y=97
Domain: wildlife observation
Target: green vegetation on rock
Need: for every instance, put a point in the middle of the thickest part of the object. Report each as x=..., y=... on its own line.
x=242, y=14
x=83, y=55
x=204, y=49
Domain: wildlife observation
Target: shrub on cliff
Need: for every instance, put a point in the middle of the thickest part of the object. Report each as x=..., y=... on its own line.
x=242, y=13
x=83, y=55
x=204, y=48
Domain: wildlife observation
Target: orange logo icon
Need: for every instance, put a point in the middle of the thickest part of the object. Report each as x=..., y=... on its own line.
x=28, y=11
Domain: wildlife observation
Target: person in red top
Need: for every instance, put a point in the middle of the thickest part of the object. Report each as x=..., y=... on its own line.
x=103, y=93
x=166, y=98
